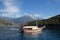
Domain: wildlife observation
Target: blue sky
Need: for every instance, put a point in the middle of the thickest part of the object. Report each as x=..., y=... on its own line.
x=18, y=8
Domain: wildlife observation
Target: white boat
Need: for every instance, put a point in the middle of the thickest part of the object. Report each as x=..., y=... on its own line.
x=32, y=29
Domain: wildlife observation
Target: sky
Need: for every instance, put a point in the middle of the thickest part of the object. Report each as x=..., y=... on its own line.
x=38, y=8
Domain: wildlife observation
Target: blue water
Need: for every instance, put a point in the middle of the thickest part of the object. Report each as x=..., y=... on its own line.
x=16, y=35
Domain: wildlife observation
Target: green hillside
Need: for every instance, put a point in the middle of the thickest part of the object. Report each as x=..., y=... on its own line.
x=52, y=20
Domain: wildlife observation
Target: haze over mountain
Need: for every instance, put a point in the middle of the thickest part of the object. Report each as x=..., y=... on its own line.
x=20, y=20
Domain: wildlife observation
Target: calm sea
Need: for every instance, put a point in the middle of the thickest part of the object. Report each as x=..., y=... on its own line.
x=9, y=33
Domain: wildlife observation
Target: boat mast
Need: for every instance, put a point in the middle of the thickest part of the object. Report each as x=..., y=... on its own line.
x=36, y=15
x=36, y=22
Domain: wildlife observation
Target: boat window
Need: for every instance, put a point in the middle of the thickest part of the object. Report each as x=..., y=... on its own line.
x=28, y=28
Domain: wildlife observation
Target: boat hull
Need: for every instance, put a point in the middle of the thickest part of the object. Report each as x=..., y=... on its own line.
x=25, y=29
x=35, y=30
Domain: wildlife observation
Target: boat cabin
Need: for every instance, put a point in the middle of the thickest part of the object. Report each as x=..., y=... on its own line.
x=30, y=27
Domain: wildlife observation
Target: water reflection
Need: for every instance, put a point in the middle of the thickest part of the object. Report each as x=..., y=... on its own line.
x=31, y=34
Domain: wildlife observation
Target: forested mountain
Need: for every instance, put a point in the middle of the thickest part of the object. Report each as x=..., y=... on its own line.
x=52, y=20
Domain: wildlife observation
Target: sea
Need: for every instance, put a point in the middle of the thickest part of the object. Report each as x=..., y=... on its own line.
x=13, y=33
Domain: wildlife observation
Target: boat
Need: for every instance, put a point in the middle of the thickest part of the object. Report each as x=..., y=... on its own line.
x=32, y=28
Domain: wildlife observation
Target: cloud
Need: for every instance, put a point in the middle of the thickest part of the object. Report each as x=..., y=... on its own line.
x=33, y=16
x=36, y=15
x=12, y=8
x=47, y=17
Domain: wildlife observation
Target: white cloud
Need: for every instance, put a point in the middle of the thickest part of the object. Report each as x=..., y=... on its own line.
x=47, y=17
x=36, y=15
x=12, y=8
x=33, y=16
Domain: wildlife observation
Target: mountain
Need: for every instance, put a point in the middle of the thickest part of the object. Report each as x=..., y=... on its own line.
x=52, y=20
x=23, y=19
x=20, y=20
x=6, y=18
